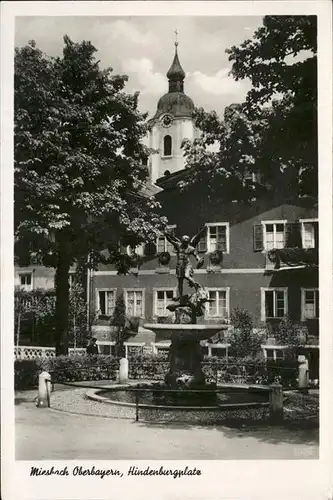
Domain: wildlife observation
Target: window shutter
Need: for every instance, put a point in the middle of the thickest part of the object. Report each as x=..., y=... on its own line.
x=293, y=237
x=202, y=245
x=269, y=303
x=317, y=303
x=316, y=234
x=258, y=238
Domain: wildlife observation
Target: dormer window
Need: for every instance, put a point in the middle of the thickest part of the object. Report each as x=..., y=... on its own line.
x=167, y=146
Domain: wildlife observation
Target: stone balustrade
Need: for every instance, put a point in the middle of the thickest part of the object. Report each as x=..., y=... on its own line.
x=35, y=352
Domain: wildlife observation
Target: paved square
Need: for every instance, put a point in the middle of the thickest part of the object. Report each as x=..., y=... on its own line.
x=45, y=434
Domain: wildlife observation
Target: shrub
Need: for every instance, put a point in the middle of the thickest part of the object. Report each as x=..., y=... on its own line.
x=243, y=341
x=148, y=366
x=287, y=333
x=254, y=371
x=154, y=367
x=64, y=369
x=26, y=373
x=284, y=371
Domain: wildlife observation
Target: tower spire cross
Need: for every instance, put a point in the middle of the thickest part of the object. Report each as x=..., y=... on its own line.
x=176, y=35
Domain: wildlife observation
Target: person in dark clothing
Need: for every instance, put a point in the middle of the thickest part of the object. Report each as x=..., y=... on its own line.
x=92, y=346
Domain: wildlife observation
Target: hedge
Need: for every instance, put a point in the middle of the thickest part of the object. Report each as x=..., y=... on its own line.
x=64, y=369
x=257, y=371
x=153, y=367
x=148, y=366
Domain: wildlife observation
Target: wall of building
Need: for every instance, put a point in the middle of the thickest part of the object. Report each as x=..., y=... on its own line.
x=42, y=277
x=241, y=223
x=243, y=270
x=244, y=287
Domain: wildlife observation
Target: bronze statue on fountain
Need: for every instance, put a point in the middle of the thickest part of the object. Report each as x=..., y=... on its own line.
x=185, y=354
x=187, y=307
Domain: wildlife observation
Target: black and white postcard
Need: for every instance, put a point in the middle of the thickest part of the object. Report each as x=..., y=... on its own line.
x=166, y=251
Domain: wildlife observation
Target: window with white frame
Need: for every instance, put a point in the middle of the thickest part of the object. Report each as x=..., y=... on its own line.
x=219, y=351
x=134, y=302
x=163, y=245
x=167, y=145
x=215, y=238
x=274, y=303
x=309, y=228
x=162, y=298
x=218, y=305
x=26, y=281
x=274, y=234
x=310, y=303
x=274, y=352
x=106, y=348
x=106, y=301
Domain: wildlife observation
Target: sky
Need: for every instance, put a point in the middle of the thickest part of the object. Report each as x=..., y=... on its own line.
x=143, y=49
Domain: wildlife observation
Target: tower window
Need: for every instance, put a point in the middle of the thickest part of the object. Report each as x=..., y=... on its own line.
x=167, y=145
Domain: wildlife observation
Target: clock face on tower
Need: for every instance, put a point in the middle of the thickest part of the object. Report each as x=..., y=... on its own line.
x=166, y=120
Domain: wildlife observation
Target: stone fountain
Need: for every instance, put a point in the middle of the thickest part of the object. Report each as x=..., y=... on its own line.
x=185, y=354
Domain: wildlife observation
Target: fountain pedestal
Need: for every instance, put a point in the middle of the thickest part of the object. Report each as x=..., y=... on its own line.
x=185, y=357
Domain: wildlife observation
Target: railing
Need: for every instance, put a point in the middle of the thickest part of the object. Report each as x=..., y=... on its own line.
x=219, y=406
x=224, y=371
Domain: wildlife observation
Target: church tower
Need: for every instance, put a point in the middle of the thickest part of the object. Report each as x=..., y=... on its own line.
x=171, y=124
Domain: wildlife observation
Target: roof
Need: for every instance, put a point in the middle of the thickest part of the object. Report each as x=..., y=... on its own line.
x=176, y=72
x=177, y=104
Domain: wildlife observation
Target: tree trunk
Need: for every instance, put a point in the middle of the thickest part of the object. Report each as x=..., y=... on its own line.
x=62, y=302
x=18, y=329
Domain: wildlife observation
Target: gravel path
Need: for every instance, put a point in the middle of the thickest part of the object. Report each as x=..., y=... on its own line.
x=59, y=434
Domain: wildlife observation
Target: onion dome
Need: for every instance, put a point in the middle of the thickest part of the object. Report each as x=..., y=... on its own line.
x=175, y=102
x=176, y=74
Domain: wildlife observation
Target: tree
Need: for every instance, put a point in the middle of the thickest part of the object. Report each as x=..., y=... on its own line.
x=35, y=311
x=272, y=136
x=243, y=342
x=281, y=62
x=77, y=315
x=223, y=159
x=79, y=165
x=119, y=321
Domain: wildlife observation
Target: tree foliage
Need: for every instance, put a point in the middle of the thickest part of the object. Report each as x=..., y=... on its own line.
x=243, y=342
x=36, y=309
x=274, y=132
x=79, y=164
x=281, y=62
x=225, y=156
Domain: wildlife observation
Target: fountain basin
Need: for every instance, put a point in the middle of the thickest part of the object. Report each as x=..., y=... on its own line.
x=184, y=332
x=236, y=403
